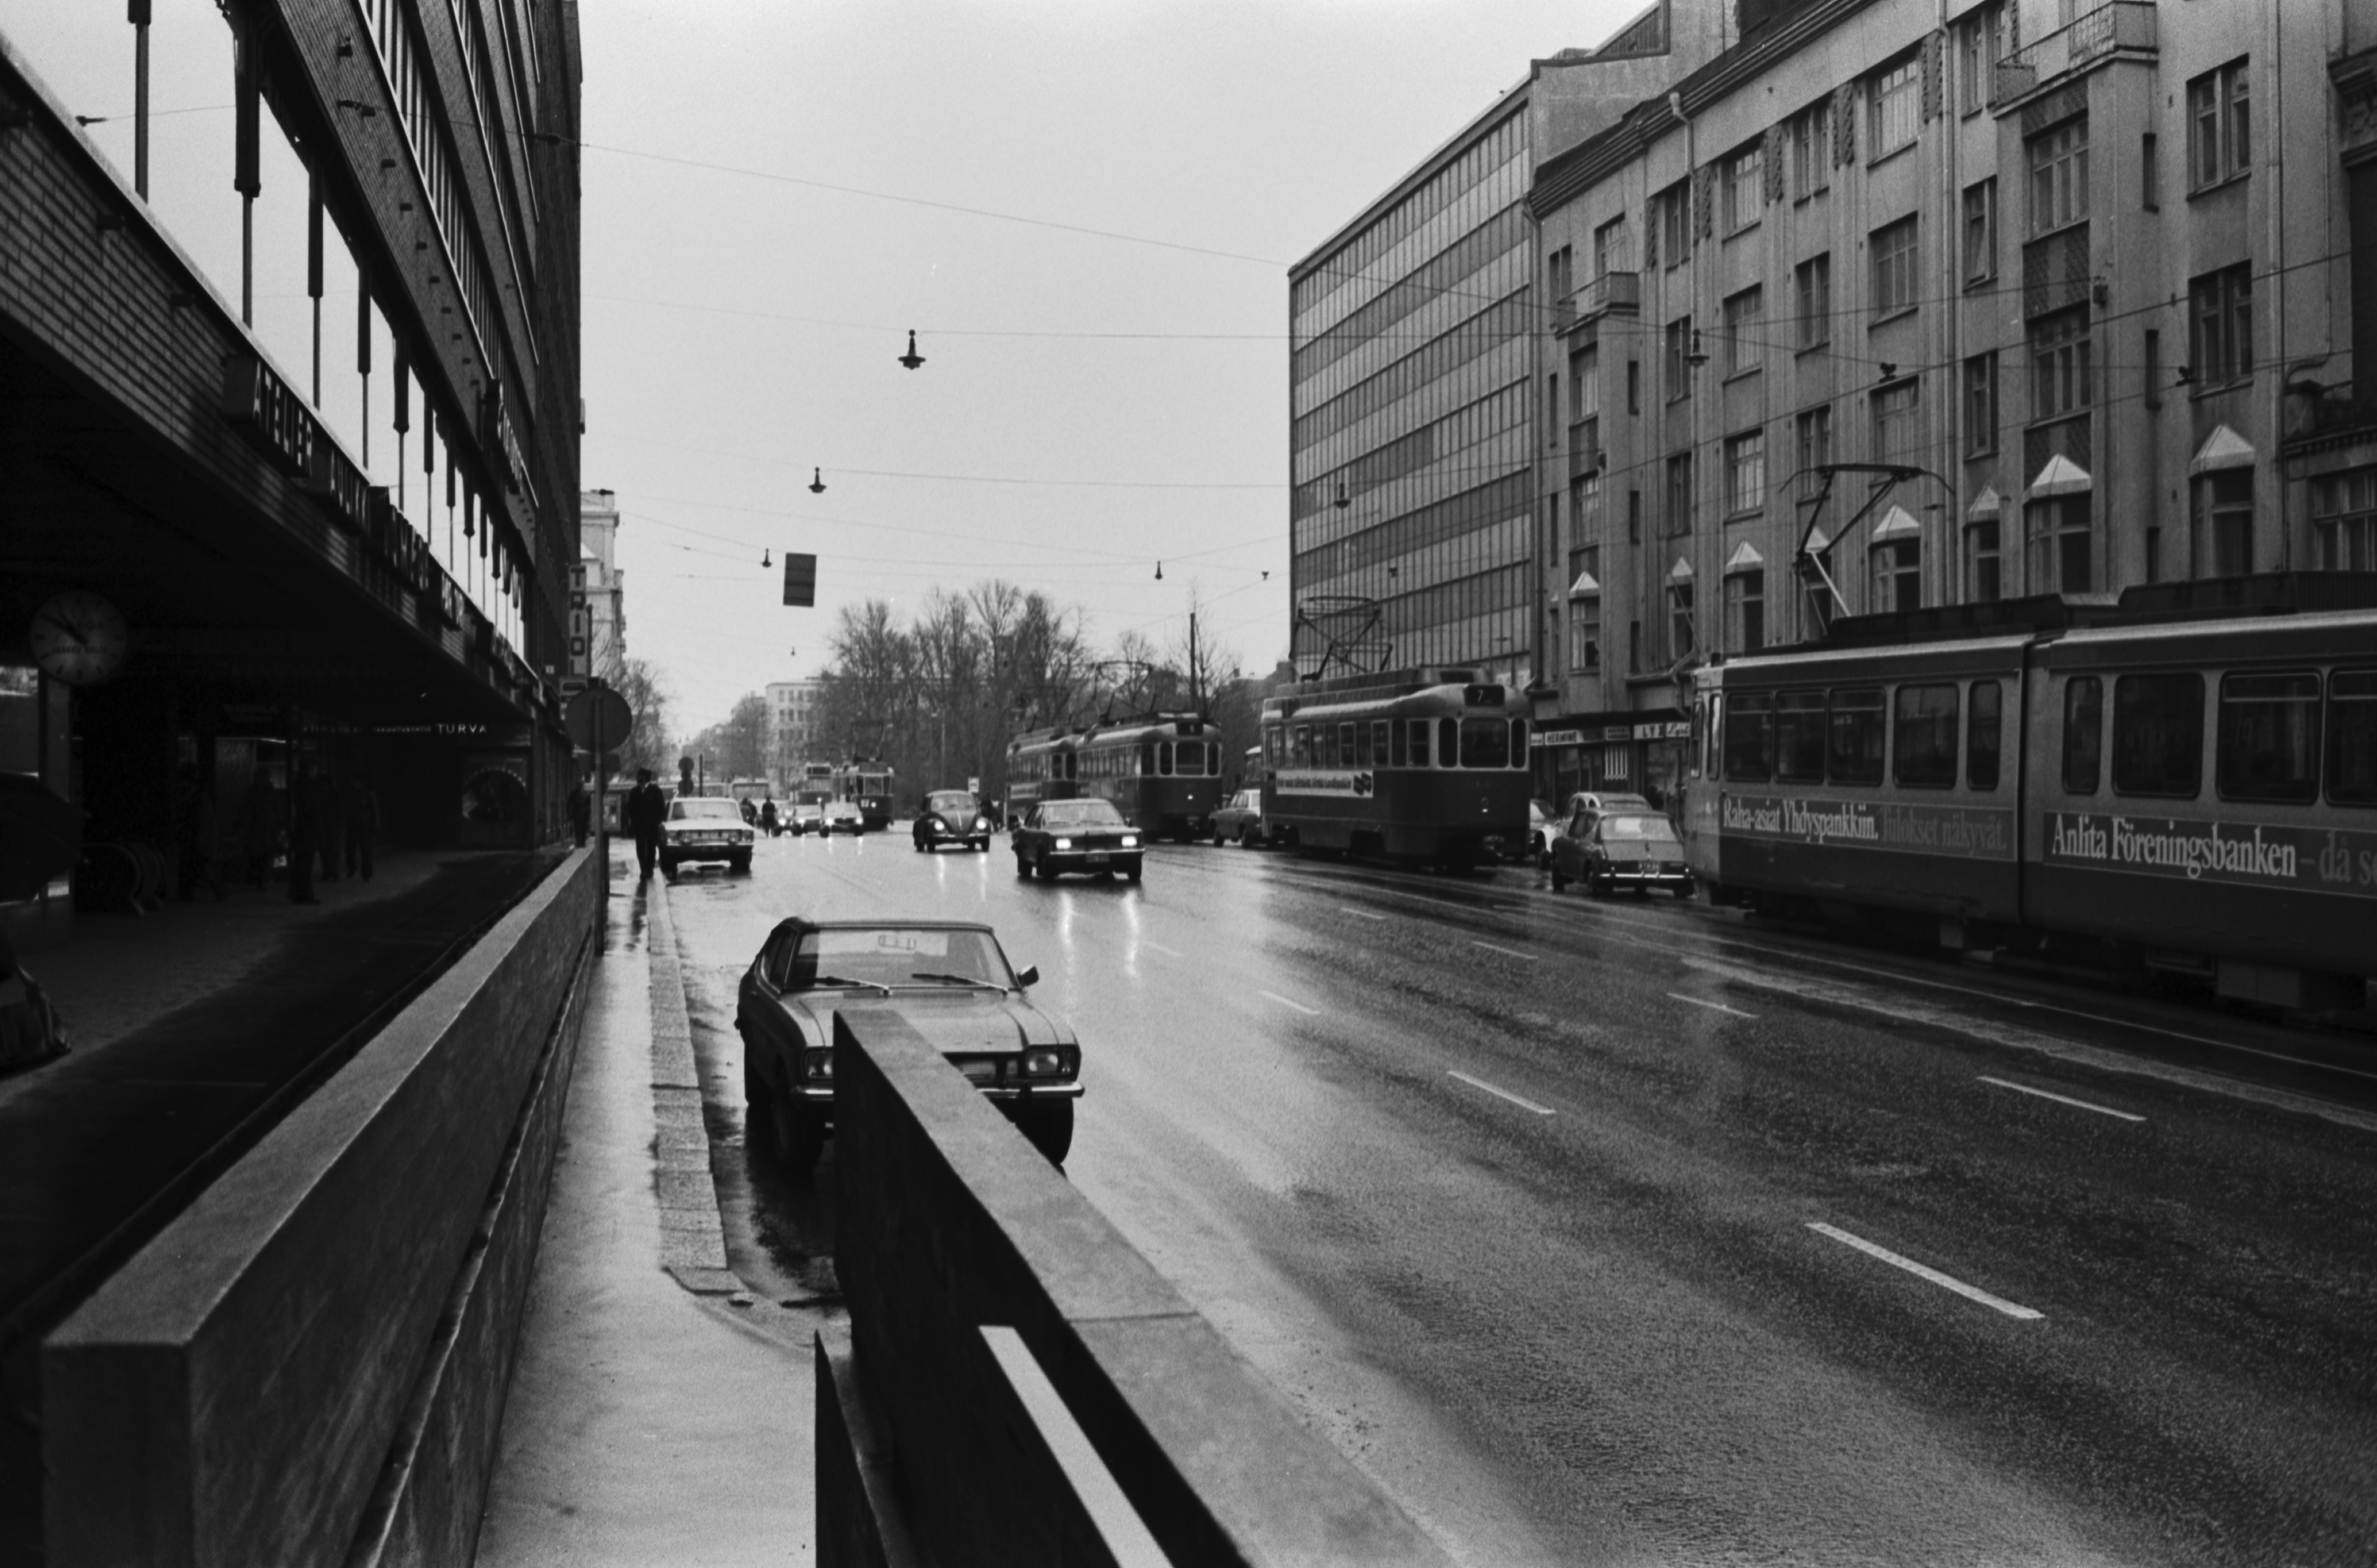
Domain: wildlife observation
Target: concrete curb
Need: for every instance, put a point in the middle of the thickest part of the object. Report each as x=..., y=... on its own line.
x=693, y=1237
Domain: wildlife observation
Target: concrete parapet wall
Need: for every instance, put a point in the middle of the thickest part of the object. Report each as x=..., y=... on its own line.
x=947, y=1221
x=308, y=1364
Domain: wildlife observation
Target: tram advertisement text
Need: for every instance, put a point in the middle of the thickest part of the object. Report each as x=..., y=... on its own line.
x=1980, y=832
x=2246, y=853
x=1304, y=781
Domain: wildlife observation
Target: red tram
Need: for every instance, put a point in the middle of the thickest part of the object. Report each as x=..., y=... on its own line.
x=1041, y=766
x=2190, y=776
x=1164, y=774
x=1421, y=765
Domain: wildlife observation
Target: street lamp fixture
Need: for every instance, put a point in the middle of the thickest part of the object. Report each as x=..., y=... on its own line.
x=912, y=359
x=817, y=481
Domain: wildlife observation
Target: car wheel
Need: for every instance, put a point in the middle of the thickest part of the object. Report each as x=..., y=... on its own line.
x=1050, y=1128
x=1560, y=878
x=1023, y=867
x=740, y=865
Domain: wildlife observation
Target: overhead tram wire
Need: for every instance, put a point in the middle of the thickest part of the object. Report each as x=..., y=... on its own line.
x=1106, y=556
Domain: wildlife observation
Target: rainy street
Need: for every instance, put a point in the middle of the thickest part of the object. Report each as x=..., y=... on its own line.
x=1619, y=1231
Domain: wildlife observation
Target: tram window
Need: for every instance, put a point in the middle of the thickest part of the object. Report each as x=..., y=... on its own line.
x=1163, y=759
x=1923, y=755
x=2352, y=737
x=1448, y=742
x=1345, y=744
x=1419, y=729
x=1379, y=728
x=1397, y=744
x=1485, y=743
x=1799, y=737
x=1303, y=754
x=2084, y=732
x=1518, y=742
x=2159, y=735
x=1858, y=731
x=1748, y=737
x=1982, y=723
x=2269, y=737
x=1361, y=746
x=1700, y=734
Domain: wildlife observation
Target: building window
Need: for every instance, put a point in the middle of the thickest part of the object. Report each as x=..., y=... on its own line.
x=1815, y=430
x=1976, y=57
x=1745, y=611
x=1584, y=633
x=1679, y=494
x=1811, y=151
x=1611, y=249
x=1897, y=420
x=2062, y=366
x=1895, y=105
x=1898, y=567
x=2344, y=520
x=1560, y=274
x=1813, y=282
x=1676, y=223
x=1894, y=267
x=1745, y=187
x=1742, y=312
x=1981, y=405
x=1584, y=384
x=1981, y=232
x=1633, y=386
x=1680, y=357
x=2059, y=547
x=2220, y=325
x=2219, y=127
x=2059, y=176
x=1984, y=580
x=2223, y=523
x=2150, y=172
x=1682, y=636
x=1745, y=471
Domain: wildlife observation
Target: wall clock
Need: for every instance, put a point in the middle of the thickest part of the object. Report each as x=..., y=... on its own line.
x=79, y=638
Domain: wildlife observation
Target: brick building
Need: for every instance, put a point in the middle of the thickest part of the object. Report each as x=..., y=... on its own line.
x=291, y=426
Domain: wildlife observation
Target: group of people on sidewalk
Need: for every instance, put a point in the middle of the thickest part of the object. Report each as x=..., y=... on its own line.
x=319, y=816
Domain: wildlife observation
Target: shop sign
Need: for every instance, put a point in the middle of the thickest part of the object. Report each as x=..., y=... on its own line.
x=337, y=486
x=2239, y=854
x=1323, y=782
x=452, y=605
x=1617, y=732
x=269, y=411
x=1541, y=739
x=1664, y=729
x=1973, y=833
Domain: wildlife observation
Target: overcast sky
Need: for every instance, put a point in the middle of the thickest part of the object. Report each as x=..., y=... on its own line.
x=742, y=331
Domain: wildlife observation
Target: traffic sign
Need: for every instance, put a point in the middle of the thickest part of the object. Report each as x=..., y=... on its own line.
x=800, y=579
x=598, y=719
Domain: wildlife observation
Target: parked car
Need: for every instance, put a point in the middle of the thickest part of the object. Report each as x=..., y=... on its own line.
x=953, y=985
x=842, y=816
x=1608, y=848
x=1240, y=820
x=1535, y=848
x=704, y=829
x=952, y=817
x=1084, y=835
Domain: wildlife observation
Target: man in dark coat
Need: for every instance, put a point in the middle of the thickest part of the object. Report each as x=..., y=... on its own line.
x=581, y=811
x=363, y=826
x=647, y=809
x=304, y=833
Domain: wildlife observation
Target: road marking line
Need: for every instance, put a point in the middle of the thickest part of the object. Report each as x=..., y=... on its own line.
x=1506, y=952
x=1970, y=1293
x=1711, y=1006
x=2061, y=1099
x=1504, y=1094
x=1158, y=947
x=1366, y=914
x=1286, y=1003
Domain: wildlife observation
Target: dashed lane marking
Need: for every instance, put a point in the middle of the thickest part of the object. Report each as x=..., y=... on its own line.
x=1945, y=1281
x=2061, y=1099
x=1158, y=947
x=1284, y=1002
x=1711, y=1006
x=1366, y=914
x=1506, y=952
x=1503, y=1094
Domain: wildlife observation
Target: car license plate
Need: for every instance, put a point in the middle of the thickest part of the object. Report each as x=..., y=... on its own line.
x=1099, y=858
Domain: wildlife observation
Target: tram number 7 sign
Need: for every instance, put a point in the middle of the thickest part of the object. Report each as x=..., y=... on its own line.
x=800, y=580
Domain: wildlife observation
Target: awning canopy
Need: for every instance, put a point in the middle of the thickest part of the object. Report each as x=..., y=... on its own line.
x=1681, y=571
x=1897, y=523
x=1745, y=555
x=1818, y=542
x=2224, y=448
x=2061, y=476
x=1988, y=503
x=1585, y=587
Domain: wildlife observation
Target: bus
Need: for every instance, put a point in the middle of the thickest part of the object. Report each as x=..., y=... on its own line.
x=1163, y=774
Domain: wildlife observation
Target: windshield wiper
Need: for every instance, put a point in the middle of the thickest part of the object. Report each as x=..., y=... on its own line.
x=961, y=979
x=839, y=979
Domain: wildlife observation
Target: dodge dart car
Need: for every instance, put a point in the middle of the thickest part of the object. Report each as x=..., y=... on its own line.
x=950, y=982
x=1084, y=835
x=952, y=817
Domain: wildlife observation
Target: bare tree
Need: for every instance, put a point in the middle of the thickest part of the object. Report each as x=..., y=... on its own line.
x=648, y=698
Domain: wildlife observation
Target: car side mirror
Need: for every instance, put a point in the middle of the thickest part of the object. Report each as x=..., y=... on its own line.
x=1028, y=976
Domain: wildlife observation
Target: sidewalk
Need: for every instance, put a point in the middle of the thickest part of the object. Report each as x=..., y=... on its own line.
x=646, y=1424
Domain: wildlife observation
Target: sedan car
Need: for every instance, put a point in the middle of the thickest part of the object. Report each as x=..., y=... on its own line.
x=952, y=984
x=952, y=817
x=1240, y=821
x=805, y=819
x=1609, y=849
x=704, y=829
x=1084, y=835
x=842, y=816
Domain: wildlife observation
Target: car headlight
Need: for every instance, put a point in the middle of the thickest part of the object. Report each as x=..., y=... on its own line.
x=1043, y=1064
x=1064, y=843
x=936, y=824
x=1131, y=840
x=981, y=822
x=816, y=1064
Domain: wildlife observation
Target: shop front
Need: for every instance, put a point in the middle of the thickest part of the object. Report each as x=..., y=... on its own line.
x=1639, y=753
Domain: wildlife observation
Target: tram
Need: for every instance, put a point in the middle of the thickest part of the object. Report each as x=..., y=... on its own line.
x=1417, y=765
x=2187, y=777
x=1164, y=774
x=1041, y=766
x=867, y=785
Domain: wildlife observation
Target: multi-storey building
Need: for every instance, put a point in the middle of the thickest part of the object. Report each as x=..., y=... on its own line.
x=2090, y=281
x=1414, y=405
x=598, y=594
x=794, y=710
x=289, y=421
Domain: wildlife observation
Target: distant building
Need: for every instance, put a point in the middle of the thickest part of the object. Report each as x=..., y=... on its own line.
x=793, y=713
x=598, y=615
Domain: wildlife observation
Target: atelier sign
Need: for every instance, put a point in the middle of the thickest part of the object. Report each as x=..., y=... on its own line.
x=276, y=422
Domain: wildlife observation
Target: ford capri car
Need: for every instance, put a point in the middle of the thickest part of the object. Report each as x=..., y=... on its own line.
x=1610, y=850
x=952, y=817
x=951, y=983
x=703, y=829
x=1085, y=835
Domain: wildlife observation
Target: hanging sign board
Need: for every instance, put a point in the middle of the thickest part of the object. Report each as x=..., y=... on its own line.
x=800, y=580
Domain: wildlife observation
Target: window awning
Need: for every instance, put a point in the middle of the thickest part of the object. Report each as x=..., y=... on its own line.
x=1745, y=555
x=1585, y=587
x=2224, y=448
x=1681, y=571
x=1988, y=503
x=1897, y=523
x=2061, y=476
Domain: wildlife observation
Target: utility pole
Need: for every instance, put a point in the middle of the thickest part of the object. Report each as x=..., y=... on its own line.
x=1196, y=698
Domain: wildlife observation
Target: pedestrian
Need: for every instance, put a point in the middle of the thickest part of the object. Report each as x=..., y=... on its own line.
x=362, y=827
x=330, y=803
x=305, y=834
x=581, y=811
x=259, y=829
x=767, y=816
x=647, y=809
x=194, y=835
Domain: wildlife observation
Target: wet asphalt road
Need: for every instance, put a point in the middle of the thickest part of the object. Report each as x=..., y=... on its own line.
x=1571, y=1220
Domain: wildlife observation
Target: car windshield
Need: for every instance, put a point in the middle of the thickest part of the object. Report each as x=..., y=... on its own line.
x=899, y=956
x=681, y=811
x=1081, y=813
x=949, y=803
x=1637, y=830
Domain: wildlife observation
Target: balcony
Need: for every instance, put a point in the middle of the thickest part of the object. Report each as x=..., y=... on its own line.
x=2324, y=414
x=2118, y=27
x=1585, y=448
x=1611, y=291
x=2055, y=271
